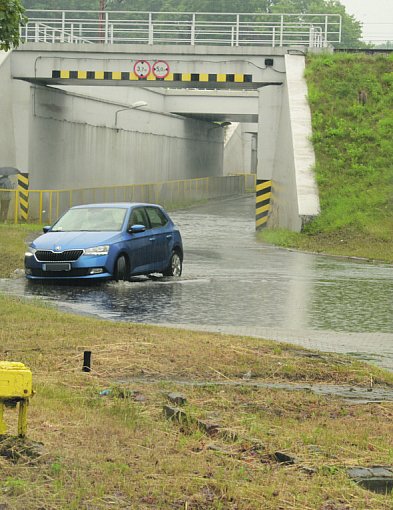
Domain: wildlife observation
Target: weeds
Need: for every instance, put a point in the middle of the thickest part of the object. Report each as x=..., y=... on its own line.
x=354, y=157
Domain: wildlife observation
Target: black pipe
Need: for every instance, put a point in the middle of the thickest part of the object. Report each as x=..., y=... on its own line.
x=86, y=361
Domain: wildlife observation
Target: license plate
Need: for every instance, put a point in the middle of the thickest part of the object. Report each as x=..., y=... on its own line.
x=56, y=267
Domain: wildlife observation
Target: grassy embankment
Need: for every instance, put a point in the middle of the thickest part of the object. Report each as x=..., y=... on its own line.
x=354, y=158
x=103, y=452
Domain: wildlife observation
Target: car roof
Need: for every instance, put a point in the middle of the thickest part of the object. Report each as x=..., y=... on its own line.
x=116, y=205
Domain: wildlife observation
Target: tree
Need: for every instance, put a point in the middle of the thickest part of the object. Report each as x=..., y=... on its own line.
x=11, y=17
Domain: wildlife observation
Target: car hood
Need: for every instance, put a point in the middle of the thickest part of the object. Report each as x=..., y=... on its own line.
x=60, y=241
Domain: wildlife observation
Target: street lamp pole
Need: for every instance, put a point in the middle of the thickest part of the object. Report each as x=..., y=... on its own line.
x=133, y=106
x=101, y=19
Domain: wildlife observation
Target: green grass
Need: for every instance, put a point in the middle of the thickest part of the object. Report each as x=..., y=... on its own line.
x=13, y=242
x=354, y=157
x=113, y=452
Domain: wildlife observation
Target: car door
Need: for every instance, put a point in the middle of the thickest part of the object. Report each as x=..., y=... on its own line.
x=161, y=232
x=140, y=245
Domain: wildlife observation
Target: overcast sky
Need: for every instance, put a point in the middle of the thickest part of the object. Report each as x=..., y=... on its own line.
x=376, y=16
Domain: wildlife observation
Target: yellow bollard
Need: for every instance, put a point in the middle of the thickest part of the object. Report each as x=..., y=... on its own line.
x=16, y=386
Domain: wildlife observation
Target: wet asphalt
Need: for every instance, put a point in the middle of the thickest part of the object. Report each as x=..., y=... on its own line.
x=233, y=284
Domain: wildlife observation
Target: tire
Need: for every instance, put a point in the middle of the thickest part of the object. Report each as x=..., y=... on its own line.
x=175, y=265
x=121, y=270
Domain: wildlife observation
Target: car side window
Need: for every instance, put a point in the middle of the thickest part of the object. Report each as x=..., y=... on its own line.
x=138, y=217
x=156, y=216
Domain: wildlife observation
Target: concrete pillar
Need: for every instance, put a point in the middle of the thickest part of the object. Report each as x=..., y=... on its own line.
x=7, y=142
x=269, y=112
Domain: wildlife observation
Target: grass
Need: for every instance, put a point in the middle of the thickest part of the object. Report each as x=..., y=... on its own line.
x=354, y=157
x=13, y=245
x=120, y=451
x=112, y=452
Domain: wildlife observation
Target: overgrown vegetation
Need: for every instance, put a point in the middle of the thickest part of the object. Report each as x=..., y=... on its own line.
x=117, y=449
x=354, y=154
x=13, y=240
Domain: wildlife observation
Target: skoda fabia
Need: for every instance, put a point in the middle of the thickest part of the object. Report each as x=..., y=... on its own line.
x=107, y=241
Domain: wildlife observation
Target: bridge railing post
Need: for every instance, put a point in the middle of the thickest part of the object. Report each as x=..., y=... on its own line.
x=281, y=30
x=106, y=27
x=63, y=14
x=237, y=29
x=151, y=28
x=193, y=30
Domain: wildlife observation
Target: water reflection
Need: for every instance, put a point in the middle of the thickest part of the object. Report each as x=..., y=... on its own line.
x=234, y=283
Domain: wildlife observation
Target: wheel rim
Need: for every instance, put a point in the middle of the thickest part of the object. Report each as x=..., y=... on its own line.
x=176, y=265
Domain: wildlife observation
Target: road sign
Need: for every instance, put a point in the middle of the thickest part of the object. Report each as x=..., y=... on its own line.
x=160, y=69
x=142, y=68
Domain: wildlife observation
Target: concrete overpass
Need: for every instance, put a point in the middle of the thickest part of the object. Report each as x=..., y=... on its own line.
x=69, y=101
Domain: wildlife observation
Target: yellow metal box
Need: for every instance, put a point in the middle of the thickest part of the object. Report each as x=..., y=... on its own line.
x=16, y=380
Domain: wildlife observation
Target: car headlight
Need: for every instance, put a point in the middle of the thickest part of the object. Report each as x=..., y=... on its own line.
x=30, y=252
x=97, y=250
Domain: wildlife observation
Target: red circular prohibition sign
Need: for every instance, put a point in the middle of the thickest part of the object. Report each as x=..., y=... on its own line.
x=160, y=69
x=142, y=68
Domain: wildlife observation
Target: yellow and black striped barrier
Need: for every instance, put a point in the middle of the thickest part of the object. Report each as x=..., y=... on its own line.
x=263, y=196
x=131, y=76
x=23, y=196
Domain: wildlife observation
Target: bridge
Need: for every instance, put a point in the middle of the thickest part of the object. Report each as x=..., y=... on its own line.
x=114, y=98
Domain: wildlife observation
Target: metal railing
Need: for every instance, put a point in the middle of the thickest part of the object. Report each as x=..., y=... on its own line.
x=45, y=206
x=227, y=29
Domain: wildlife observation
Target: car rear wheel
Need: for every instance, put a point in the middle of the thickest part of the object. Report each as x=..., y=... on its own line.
x=175, y=265
x=121, y=270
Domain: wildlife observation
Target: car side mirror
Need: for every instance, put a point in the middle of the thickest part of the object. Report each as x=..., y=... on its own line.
x=136, y=229
x=46, y=229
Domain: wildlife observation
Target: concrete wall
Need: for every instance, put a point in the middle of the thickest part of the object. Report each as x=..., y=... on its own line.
x=237, y=150
x=7, y=143
x=80, y=142
x=285, y=153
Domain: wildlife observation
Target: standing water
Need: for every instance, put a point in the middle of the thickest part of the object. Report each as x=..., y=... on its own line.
x=232, y=283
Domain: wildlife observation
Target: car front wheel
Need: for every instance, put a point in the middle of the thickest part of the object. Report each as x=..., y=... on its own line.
x=121, y=270
x=175, y=265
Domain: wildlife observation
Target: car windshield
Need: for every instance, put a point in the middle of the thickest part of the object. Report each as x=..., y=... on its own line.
x=91, y=219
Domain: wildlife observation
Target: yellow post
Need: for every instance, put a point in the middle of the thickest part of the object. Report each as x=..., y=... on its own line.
x=16, y=208
x=22, y=418
x=16, y=383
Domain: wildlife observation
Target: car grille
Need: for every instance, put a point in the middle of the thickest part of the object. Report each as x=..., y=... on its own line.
x=64, y=256
x=60, y=274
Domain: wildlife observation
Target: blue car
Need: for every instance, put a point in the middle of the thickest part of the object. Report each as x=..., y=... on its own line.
x=107, y=241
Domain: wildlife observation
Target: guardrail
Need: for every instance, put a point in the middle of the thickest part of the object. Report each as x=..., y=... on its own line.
x=227, y=29
x=45, y=206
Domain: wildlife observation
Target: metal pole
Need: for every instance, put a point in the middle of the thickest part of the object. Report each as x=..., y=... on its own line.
x=106, y=27
x=62, y=27
x=150, y=29
x=326, y=31
x=282, y=30
x=193, y=30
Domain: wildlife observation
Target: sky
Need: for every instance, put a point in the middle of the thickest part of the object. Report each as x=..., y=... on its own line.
x=376, y=16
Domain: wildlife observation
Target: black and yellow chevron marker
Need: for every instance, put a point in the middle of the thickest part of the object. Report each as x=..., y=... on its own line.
x=131, y=76
x=264, y=193
x=23, y=195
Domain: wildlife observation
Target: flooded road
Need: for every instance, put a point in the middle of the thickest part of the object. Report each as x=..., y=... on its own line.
x=233, y=284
